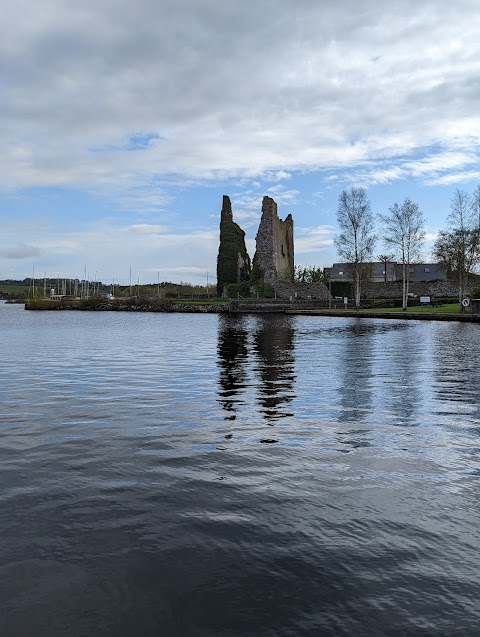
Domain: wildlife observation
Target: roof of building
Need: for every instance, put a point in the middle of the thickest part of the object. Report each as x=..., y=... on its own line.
x=417, y=271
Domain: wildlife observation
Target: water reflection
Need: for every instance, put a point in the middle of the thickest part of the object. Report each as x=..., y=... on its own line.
x=232, y=359
x=404, y=368
x=356, y=360
x=455, y=382
x=456, y=372
x=273, y=345
x=269, y=354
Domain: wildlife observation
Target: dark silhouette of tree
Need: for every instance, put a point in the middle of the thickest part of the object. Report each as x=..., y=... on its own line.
x=385, y=258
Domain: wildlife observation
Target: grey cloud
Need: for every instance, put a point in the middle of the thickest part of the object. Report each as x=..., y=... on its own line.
x=21, y=251
x=229, y=90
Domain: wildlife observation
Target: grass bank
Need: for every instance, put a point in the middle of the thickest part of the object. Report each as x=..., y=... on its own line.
x=447, y=308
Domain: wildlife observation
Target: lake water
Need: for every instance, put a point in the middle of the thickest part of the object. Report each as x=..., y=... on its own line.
x=142, y=493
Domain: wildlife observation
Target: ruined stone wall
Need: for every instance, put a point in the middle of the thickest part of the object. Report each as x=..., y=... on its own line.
x=274, y=256
x=286, y=290
x=233, y=262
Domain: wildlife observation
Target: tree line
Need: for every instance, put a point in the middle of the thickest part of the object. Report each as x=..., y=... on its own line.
x=402, y=232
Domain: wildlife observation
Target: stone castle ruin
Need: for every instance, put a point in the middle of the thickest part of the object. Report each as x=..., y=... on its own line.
x=274, y=254
x=233, y=262
x=273, y=263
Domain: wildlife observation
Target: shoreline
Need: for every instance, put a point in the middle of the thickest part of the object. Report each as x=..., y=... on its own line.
x=242, y=307
x=411, y=316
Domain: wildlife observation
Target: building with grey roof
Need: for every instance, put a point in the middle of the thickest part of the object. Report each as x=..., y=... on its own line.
x=379, y=272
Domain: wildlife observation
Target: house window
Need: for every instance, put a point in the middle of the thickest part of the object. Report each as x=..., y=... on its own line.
x=427, y=269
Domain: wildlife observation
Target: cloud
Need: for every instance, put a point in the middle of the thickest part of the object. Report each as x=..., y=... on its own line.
x=109, y=248
x=139, y=105
x=211, y=90
x=313, y=240
x=21, y=251
x=282, y=196
x=144, y=228
x=441, y=167
x=454, y=178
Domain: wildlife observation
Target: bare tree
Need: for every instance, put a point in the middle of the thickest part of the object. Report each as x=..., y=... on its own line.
x=458, y=248
x=475, y=205
x=385, y=259
x=404, y=234
x=356, y=240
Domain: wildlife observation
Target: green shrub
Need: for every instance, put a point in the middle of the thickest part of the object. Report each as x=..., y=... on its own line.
x=341, y=288
x=239, y=289
x=265, y=291
x=256, y=273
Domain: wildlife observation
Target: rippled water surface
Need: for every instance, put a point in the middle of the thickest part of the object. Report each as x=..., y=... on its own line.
x=211, y=475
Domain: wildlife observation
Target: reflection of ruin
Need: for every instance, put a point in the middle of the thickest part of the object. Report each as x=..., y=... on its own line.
x=273, y=343
x=232, y=358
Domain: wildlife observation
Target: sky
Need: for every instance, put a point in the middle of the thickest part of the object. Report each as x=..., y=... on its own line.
x=122, y=124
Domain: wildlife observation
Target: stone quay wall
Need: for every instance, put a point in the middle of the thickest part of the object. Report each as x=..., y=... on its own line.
x=419, y=288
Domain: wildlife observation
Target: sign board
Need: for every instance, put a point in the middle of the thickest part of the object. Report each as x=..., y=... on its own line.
x=345, y=300
x=466, y=302
x=425, y=300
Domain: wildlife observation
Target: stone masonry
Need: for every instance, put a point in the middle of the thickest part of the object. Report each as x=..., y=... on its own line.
x=274, y=255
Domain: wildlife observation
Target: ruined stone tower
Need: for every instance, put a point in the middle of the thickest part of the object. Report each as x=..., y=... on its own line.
x=226, y=213
x=233, y=262
x=274, y=255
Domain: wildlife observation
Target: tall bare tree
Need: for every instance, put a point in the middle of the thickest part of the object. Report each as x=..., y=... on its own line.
x=356, y=240
x=458, y=247
x=404, y=234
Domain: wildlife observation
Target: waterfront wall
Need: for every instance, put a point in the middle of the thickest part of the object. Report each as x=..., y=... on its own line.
x=420, y=288
x=94, y=305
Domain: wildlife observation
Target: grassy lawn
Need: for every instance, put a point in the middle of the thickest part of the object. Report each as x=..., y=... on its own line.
x=15, y=289
x=447, y=308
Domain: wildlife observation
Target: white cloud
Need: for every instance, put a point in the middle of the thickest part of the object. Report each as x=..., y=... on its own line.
x=102, y=248
x=215, y=90
x=145, y=228
x=316, y=240
x=137, y=102
x=455, y=178
x=282, y=195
